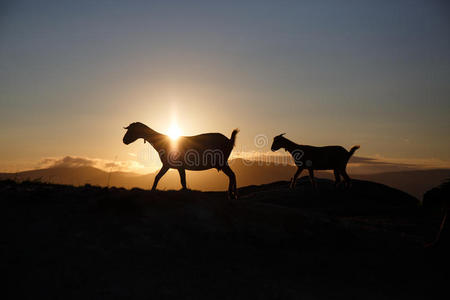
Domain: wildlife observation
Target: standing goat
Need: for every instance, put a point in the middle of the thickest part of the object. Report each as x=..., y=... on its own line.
x=199, y=152
x=316, y=158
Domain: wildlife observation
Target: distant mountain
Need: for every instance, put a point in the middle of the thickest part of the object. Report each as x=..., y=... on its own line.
x=414, y=182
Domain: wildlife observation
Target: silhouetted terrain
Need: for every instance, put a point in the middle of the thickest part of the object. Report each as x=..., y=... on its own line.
x=273, y=243
x=414, y=182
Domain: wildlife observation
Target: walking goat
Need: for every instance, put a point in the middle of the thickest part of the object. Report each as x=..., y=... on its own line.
x=199, y=152
x=316, y=158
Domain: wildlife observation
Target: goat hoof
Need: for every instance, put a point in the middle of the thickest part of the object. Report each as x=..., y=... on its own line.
x=232, y=196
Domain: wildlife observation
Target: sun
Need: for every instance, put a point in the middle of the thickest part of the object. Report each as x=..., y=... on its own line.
x=174, y=132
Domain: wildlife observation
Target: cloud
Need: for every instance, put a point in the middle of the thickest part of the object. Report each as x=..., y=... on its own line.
x=68, y=162
x=112, y=165
x=378, y=162
x=357, y=164
x=407, y=163
x=76, y=162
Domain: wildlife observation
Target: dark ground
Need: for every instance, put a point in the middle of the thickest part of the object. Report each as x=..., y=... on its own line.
x=91, y=243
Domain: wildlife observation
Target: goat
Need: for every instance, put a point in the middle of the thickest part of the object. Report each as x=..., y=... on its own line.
x=199, y=152
x=316, y=158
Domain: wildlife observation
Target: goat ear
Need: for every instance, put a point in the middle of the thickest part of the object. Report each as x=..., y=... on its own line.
x=126, y=127
x=282, y=134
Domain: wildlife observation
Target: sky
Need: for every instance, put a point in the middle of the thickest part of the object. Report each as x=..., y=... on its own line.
x=73, y=73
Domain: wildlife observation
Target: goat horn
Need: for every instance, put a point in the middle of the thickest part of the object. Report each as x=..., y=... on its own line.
x=126, y=127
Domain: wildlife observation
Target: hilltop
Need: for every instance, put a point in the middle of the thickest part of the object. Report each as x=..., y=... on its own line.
x=72, y=242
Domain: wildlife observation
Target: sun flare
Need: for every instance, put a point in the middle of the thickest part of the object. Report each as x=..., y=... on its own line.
x=174, y=132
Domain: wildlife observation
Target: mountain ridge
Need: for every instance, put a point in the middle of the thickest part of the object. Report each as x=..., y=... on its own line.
x=414, y=182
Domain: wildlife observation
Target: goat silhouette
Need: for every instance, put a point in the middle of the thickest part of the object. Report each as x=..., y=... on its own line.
x=316, y=158
x=199, y=152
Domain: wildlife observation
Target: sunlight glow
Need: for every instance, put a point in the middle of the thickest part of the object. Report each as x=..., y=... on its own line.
x=174, y=132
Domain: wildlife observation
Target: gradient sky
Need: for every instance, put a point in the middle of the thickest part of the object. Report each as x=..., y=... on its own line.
x=73, y=73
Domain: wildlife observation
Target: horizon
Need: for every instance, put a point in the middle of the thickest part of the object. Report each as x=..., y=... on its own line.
x=80, y=171
x=74, y=74
x=358, y=165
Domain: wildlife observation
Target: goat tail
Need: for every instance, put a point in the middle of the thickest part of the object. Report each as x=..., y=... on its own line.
x=354, y=148
x=233, y=138
x=230, y=145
